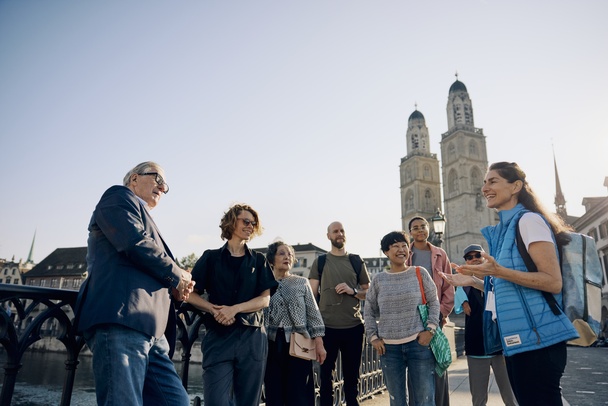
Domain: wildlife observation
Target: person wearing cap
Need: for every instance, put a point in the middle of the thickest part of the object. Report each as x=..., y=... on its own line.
x=472, y=302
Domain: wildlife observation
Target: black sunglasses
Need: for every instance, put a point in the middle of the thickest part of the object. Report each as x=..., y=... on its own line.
x=469, y=257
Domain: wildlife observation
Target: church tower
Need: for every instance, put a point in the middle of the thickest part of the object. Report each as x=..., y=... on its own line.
x=419, y=172
x=464, y=162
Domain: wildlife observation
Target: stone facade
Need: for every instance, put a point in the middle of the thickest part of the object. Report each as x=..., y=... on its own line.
x=464, y=164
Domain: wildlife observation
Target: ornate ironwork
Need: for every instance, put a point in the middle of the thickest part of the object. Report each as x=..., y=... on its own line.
x=44, y=312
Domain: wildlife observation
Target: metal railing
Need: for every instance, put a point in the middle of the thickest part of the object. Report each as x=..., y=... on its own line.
x=44, y=312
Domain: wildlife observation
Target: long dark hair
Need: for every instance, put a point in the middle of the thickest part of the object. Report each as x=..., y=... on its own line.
x=512, y=172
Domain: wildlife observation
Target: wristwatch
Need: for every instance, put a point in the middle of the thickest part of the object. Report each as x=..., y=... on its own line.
x=431, y=330
x=355, y=291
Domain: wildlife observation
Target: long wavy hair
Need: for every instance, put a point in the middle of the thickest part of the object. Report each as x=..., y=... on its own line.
x=512, y=172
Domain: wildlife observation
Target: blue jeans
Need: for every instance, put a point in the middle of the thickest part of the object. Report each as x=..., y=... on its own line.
x=132, y=368
x=419, y=362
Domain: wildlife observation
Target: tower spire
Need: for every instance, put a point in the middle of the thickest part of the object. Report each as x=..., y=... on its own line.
x=30, y=257
x=560, y=200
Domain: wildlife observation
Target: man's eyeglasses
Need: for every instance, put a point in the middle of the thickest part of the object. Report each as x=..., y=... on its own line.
x=469, y=257
x=248, y=222
x=159, y=181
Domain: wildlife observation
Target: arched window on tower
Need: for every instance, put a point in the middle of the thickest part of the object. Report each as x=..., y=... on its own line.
x=475, y=180
x=427, y=172
x=408, y=174
x=409, y=201
x=415, y=141
x=473, y=151
x=451, y=152
x=467, y=115
x=453, y=186
x=428, y=201
x=457, y=113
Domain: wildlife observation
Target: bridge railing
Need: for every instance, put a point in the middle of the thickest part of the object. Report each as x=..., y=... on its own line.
x=33, y=313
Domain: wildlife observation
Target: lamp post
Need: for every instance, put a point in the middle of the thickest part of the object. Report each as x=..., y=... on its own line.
x=438, y=222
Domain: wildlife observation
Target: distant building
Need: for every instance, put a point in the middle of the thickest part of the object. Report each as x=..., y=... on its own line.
x=64, y=268
x=376, y=265
x=13, y=272
x=594, y=223
x=307, y=253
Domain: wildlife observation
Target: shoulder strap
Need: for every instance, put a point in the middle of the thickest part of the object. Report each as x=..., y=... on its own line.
x=321, y=264
x=357, y=263
x=421, y=285
x=523, y=252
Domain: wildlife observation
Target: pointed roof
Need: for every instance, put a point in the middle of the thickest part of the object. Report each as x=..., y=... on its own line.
x=62, y=262
x=30, y=257
x=560, y=200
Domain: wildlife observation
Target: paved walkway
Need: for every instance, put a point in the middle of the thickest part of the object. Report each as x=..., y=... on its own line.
x=585, y=381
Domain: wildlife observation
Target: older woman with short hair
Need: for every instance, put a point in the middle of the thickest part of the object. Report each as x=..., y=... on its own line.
x=293, y=309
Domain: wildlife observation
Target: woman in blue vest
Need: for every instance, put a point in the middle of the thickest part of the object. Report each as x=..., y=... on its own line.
x=518, y=320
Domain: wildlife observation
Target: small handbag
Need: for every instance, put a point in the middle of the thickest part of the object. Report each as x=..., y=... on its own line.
x=302, y=347
x=440, y=346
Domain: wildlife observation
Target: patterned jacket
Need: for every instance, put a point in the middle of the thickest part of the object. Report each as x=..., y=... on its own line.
x=294, y=308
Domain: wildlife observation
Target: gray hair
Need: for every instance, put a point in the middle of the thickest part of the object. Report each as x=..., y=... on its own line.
x=143, y=167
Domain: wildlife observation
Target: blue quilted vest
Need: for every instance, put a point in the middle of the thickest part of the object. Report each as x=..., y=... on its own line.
x=524, y=320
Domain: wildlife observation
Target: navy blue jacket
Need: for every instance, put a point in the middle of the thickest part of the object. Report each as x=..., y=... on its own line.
x=130, y=268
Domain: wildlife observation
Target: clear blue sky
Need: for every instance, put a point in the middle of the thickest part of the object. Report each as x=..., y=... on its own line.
x=297, y=108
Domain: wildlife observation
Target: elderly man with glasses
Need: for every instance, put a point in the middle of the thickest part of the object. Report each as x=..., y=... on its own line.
x=471, y=301
x=124, y=307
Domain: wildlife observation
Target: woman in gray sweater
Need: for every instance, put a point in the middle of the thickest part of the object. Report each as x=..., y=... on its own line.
x=394, y=327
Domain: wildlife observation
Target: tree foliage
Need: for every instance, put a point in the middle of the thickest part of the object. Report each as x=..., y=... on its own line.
x=189, y=261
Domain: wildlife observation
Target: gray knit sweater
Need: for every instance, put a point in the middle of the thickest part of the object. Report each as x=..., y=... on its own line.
x=391, y=306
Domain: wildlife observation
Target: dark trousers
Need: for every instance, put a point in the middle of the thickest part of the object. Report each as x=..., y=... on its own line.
x=234, y=360
x=349, y=342
x=535, y=375
x=288, y=380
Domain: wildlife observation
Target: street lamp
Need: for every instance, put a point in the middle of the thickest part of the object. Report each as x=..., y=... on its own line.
x=438, y=222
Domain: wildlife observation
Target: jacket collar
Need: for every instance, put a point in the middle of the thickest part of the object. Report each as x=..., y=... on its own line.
x=507, y=215
x=224, y=250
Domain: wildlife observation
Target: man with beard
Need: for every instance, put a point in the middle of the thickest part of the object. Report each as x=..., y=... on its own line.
x=340, y=287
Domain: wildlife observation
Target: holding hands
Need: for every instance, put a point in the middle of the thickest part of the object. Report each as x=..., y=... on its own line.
x=184, y=288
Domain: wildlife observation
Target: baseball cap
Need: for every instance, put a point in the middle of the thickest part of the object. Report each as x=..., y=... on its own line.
x=471, y=248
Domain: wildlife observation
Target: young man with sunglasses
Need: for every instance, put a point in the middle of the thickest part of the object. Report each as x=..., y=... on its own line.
x=435, y=261
x=479, y=363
